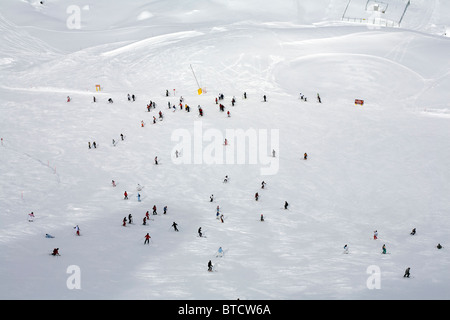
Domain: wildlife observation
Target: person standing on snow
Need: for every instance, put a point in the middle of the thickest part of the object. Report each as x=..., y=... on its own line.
x=174, y=225
x=200, y=232
x=77, y=230
x=147, y=238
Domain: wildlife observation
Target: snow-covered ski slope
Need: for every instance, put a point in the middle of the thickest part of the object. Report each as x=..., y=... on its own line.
x=381, y=166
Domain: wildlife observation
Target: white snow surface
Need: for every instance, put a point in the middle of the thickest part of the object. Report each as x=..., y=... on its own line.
x=382, y=166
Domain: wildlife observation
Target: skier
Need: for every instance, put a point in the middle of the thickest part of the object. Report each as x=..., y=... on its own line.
x=124, y=221
x=144, y=221
x=113, y=183
x=273, y=153
x=439, y=246
x=407, y=274
x=318, y=98
x=221, y=218
x=264, y=98
x=31, y=217
x=125, y=194
x=156, y=160
x=219, y=252
x=245, y=95
x=384, y=249
x=142, y=123
x=225, y=180
x=256, y=196
x=89, y=144
x=147, y=238
x=55, y=252
x=77, y=230
x=139, y=197
x=345, y=249
x=262, y=217
x=286, y=205
x=110, y=100
x=147, y=215
x=94, y=99
x=210, y=266
x=174, y=225
x=154, y=210
x=200, y=111
x=200, y=232
x=413, y=232
x=263, y=184
x=211, y=198
x=129, y=98
x=228, y=114
x=94, y=145
x=68, y=99
x=165, y=210
x=133, y=97
x=130, y=218
x=121, y=136
x=225, y=143
x=375, y=235
x=305, y=156
x=217, y=214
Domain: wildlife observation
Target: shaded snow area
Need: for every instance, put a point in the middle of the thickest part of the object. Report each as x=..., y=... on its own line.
x=381, y=166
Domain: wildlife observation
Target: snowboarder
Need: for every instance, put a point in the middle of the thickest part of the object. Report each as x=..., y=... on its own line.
x=256, y=196
x=407, y=274
x=130, y=218
x=110, y=100
x=154, y=210
x=263, y=184
x=125, y=195
x=210, y=266
x=77, y=230
x=200, y=232
x=147, y=239
x=439, y=246
x=413, y=232
x=384, y=249
x=147, y=215
x=55, y=252
x=174, y=225
x=375, y=235
x=286, y=204
x=144, y=221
